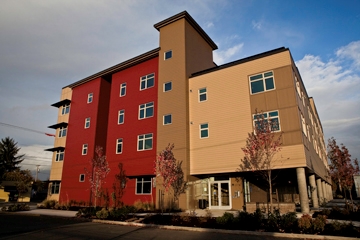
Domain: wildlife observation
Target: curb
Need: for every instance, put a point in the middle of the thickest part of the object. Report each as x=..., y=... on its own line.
x=236, y=232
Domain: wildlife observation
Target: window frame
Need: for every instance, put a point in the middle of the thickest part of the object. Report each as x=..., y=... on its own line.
x=85, y=148
x=144, y=110
x=164, y=86
x=204, y=129
x=145, y=79
x=142, y=182
x=90, y=97
x=267, y=117
x=167, y=115
x=87, y=123
x=121, y=143
x=263, y=79
x=82, y=177
x=65, y=109
x=62, y=132
x=121, y=114
x=122, y=87
x=55, y=188
x=202, y=94
x=166, y=53
x=143, y=138
x=59, y=155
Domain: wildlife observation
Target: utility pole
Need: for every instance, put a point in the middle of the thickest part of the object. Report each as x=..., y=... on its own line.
x=37, y=170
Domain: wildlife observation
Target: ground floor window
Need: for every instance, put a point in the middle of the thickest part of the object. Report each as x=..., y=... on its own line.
x=55, y=188
x=143, y=185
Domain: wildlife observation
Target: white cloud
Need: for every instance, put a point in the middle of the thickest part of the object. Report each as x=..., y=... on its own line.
x=221, y=57
x=36, y=156
x=335, y=86
x=256, y=25
x=350, y=51
x=209, y=25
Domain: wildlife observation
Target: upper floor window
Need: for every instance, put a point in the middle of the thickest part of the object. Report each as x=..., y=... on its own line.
x=62, y=132
x=202, y=94
x=90, y=98
x=122, y=89
x=84, y=149
x=59, y=155
x=119, y=145
x=262, y=82
x=168, y=55
x=146, y=110
x=145, y=142
x=87, y=122
x=167, y=119
x=167, y=86
x=143, y=185
x=303, y=124
x=65, y=109
x=121, y=117
x=147, y=81
x=204, y=130
x=272, y=116
x=82, y=178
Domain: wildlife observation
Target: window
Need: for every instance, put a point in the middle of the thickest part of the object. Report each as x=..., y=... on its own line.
x=82, y=178
x=122, y=89
x=308, y=131
x=298, y=87
x=202, y=94
x=59, y=155
x=273, y=116
x=84, y=149
x=303, y=124
x=121, y=117
x=204, y=130
x=62, y=132
x=55, y=188
x=167, y=119
x=87, y=122
x=143, y=185
x=90, y=98
x=119, y=145
x=167, y=86
x=147, y=81
x=146, y=110
x=145, y=141
x=168, y=55
x=65, y=109
x=262, y=82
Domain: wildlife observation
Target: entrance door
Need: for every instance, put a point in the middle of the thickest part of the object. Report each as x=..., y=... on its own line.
x=219, y=195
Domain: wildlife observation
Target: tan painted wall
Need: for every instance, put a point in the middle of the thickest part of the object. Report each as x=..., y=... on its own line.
x=190, y=53
x=57, y=167
x=231, y=120
x=237, y=185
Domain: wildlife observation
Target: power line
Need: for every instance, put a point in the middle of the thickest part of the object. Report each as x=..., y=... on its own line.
x=26, y=129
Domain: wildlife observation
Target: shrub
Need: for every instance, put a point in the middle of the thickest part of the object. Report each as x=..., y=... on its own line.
x=4, y=208
x=336, y=228
x=318, y=224
x=225, y=219
x=102, y=214
x=288, y=222
x=304, y=223
x=48, y=204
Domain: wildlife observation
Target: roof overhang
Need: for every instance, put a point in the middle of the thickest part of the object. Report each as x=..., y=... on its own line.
x=61, y=103
x=58, y=125
x=54, y=149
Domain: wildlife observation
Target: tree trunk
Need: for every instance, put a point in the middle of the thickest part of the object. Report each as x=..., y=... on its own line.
x=270, y=191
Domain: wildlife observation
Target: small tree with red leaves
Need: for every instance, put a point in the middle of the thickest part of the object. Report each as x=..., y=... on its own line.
x=100, y=169
x=260, y=149
x=169, y=169
x=342, y=168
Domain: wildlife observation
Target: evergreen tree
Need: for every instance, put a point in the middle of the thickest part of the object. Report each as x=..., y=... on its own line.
x=9, y=158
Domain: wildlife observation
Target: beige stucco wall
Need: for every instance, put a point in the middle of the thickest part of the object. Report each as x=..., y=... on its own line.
x=190, y=53
x=228, y=111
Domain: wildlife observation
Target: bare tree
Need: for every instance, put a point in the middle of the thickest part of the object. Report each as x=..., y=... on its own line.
x=100, y=169
x=119, y=186
x=260, y=149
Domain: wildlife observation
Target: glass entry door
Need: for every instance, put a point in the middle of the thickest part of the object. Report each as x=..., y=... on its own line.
x=219, y=195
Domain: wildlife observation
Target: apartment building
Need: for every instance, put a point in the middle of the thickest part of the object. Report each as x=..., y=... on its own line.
x=177, y=94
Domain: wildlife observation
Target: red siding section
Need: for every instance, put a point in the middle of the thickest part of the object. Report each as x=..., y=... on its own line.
x=104, y=131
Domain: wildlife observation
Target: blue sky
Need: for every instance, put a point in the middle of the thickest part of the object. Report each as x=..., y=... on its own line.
x=45, y=45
